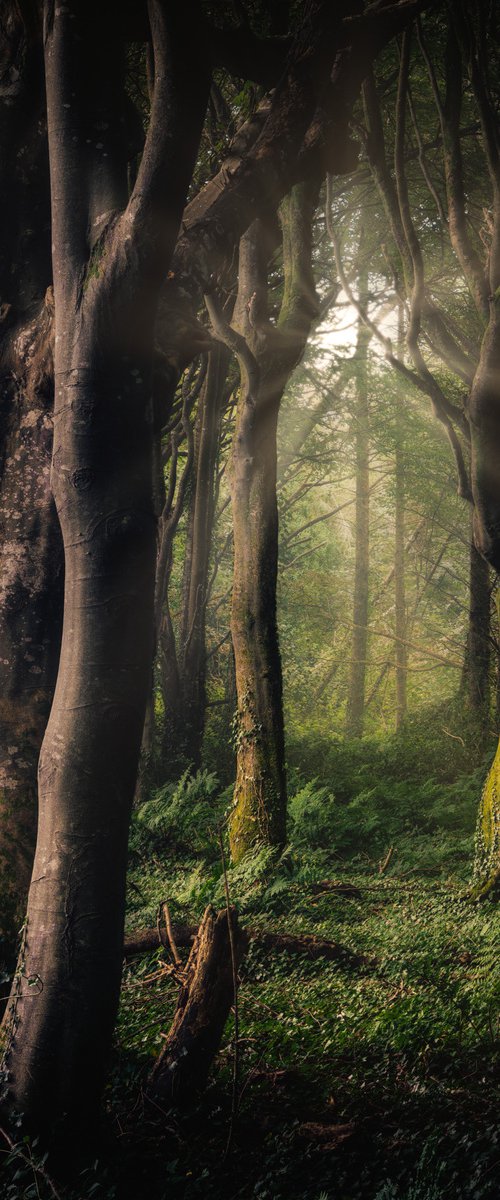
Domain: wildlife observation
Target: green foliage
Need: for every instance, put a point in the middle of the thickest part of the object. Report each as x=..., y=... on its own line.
x=427, y=1183
x=180, y=815
x=386, y=1047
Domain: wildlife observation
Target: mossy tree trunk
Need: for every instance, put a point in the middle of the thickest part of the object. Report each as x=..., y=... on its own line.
x=268, y=354
x=486, y=878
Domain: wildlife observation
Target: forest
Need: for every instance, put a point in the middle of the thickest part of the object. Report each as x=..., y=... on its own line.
x=249, y=599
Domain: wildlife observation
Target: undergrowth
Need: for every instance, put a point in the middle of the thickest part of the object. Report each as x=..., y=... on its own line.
x=376, y=1081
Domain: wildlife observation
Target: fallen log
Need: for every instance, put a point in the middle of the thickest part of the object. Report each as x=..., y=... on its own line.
x=144, y=941
x=309, y=946
x=205, y=1000
x=347, y=890
x=326, y=1137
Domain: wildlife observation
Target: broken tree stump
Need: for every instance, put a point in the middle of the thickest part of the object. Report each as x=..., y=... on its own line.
x=181, y=1071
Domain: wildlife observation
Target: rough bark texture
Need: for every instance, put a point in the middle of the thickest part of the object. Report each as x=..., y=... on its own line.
x=31, y=588
x=203, y=1007
x=107, y=274
x=356, y=696
x=31, y=574
x=259, y=812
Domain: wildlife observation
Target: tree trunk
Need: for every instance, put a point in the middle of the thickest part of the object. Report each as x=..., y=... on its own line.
x=486, y=878
x=400, y=650
x=205, y=1001
x=356, y=697
x=268, y=354
x=31, y=589
x=198, y=549
x=259, y=806
x=30, y=545
x=478, y=647
x=60, y=1018
x=182, y=658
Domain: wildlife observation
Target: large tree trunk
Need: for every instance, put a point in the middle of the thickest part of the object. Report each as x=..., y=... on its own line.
x=484, y=415
x=61, y=1014
x=356, y=696
x=31, y=573
x=31, y=588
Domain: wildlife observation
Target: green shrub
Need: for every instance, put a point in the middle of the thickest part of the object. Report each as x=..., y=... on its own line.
x=181, y=816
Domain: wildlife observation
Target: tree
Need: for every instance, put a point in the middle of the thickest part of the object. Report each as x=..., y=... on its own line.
x=356, y=696
x=108, y=265
x=31, y=568
x=112, y=254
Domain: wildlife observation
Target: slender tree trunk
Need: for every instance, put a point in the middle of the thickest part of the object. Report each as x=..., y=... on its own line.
x=268, y=355
x=356, y=696
x=198, y=549
x=400, y=649
x=476, y=681
x=259, y=812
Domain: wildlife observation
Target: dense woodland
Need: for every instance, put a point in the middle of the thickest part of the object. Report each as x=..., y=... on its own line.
x=249, y=618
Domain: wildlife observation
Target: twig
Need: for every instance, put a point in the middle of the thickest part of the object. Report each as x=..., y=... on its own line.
x=170, y=934
x=159, y=914
x=37, y=1169
x=456, y=736
x=235, y=1097
x=383, y=865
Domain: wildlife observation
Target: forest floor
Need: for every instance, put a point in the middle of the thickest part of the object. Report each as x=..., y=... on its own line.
x=373, y=1078
x=377, y=1079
